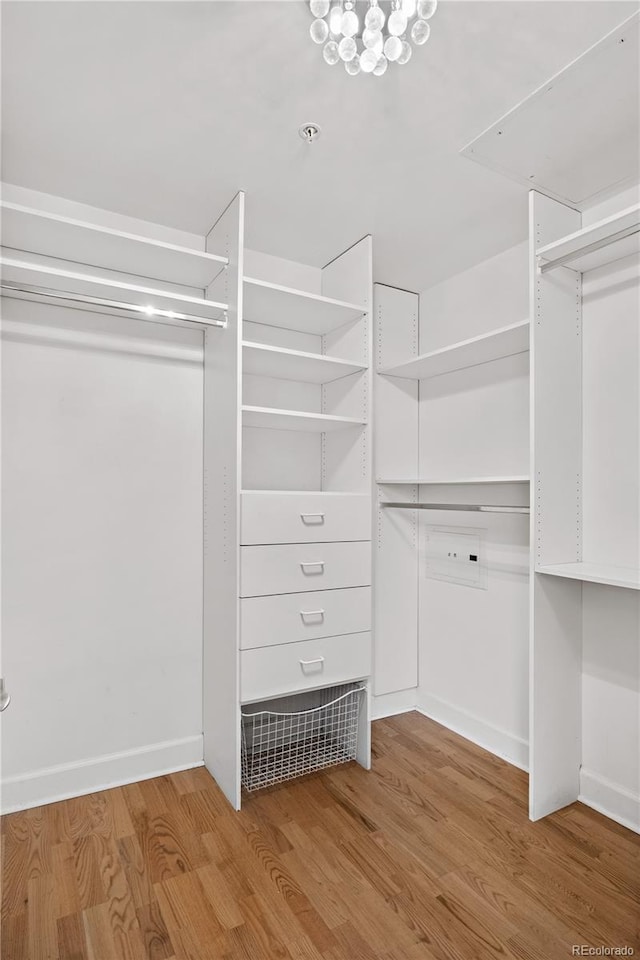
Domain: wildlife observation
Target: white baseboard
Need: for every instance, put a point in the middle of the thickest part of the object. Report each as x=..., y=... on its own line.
x=99, y=773
x=610, y=799
x=389, y=704
x=503, y=744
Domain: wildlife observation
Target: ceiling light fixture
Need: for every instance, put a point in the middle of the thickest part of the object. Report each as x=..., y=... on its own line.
x=379, y=36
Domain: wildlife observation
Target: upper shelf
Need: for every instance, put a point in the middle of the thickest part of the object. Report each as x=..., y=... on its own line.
x=467, y=353
x=264, y=360
x=446, y=481
x=275, y=419
x=293, y=309
x=594, y=246
x=604, y=573
x=148, y=299
x=63, y=238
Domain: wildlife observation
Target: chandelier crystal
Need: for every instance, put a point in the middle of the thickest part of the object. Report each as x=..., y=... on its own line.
x=367, y=35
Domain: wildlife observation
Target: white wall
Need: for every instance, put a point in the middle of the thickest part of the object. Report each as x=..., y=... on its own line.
x=102, y=550
x=610, y=774
x=473, y=643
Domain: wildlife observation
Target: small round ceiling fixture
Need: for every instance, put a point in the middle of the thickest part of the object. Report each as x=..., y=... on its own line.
x=309, y=132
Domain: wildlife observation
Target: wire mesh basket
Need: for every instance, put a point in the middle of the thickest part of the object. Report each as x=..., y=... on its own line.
x=299, y=734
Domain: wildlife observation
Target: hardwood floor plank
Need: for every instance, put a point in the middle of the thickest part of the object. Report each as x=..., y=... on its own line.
x=184, y=908
x=88, y=853
x=223, y=903
x=72, y=944
x=162, y=847
x=14, y=936
x=64, y=874
x=106, y=941
x=155, y=936
x=136, y=870
x=42, y=926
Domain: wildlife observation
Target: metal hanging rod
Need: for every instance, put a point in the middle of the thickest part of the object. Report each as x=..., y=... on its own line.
x=544, y=265
x=155, y=314
x=473, y=507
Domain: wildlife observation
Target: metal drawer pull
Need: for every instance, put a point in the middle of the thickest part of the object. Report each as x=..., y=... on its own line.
x=311, y=663
x=312, y=613
x=5, y=698
x=312, y=563
x=312, y=518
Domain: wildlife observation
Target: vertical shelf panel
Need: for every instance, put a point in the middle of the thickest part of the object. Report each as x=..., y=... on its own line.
x=347, y=455
x=222, y=483
x=555, y=664
x=396, y=413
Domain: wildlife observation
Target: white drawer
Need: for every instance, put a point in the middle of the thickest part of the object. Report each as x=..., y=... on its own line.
x=304, y=517
x=294, y=567
x=291, y=667
x=267, y=621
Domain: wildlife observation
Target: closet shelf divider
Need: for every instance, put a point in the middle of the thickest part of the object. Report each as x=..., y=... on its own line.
x=292, y=309
x=446, y=481
x=275, y=419
x=264, y=360
x=503, y=342
x=605, y=573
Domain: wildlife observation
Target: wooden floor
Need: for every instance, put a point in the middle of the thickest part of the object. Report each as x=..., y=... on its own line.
x=430, y=855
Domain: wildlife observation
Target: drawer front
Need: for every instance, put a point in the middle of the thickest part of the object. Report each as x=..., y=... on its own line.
x=292, y=667
x=304, y=517
x=267, y=621
x=293, y=567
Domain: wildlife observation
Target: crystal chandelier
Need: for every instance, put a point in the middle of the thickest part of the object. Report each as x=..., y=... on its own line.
x=371, y=42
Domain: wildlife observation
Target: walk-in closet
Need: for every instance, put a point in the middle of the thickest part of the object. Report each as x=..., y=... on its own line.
x=320, y=436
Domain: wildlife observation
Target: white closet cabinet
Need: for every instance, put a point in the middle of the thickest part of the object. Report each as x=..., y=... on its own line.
x=287, y=493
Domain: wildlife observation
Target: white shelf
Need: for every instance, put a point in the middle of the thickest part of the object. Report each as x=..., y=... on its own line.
x=446, y=481
x=59, y=280
x=63, y=238
x=274, y=419
x=293, y=309
x=503, y=342
x=596, y=245
x=595, y=573
x=266, y=361
x=307, y=493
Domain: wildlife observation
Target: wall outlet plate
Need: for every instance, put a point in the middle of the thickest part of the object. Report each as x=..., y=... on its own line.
x=455, y=554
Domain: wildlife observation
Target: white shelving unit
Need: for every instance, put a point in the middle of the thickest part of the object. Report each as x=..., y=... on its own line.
x=288, y=496
x=594, y=246
x=279, y=306
x=271, y=418
x=503, y=342
x=264, y=360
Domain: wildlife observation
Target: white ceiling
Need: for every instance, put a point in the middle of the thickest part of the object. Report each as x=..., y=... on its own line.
x=163, y=110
